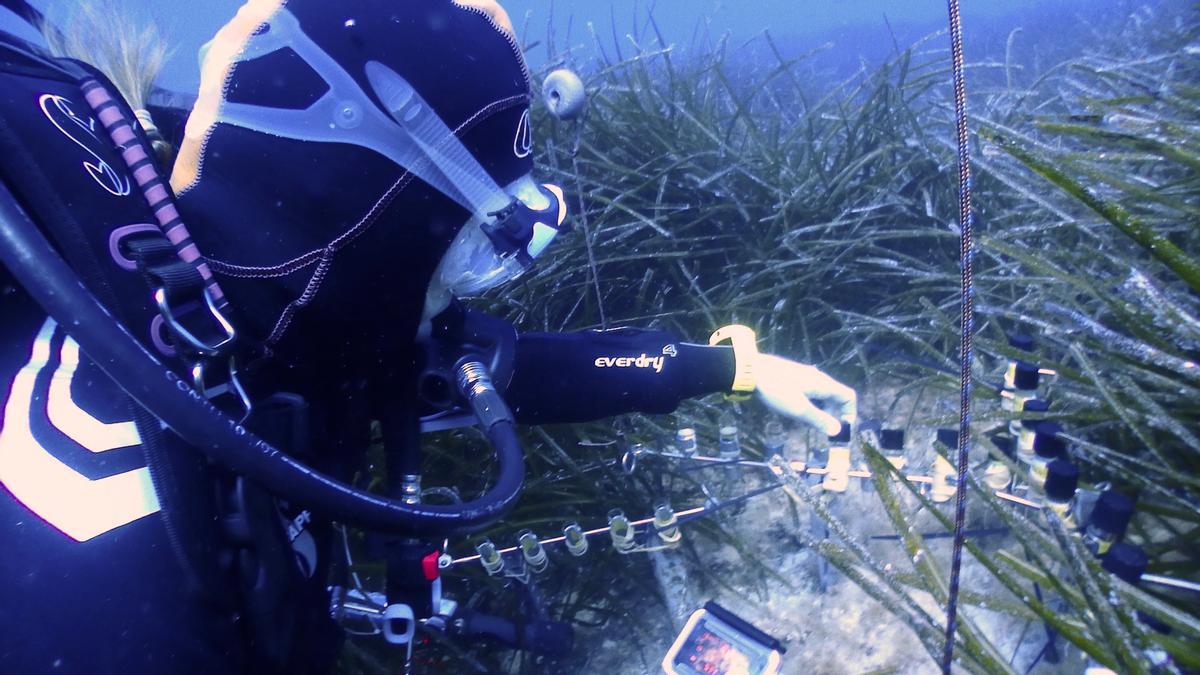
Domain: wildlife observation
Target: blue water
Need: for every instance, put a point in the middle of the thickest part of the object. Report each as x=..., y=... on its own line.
x=859, y=30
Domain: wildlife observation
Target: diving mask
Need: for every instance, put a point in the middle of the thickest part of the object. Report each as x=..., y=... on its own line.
x=508, y=226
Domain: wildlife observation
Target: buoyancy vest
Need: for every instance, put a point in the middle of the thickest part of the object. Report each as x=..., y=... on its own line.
x=130, y=537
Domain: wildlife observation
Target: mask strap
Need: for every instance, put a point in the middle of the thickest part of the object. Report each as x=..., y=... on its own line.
x=412, y=136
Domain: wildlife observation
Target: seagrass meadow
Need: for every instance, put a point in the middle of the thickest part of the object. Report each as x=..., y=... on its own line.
x=739, y=187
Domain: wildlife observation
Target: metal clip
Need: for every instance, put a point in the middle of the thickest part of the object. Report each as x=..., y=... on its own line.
x=231, y=387
x=629, y=459
x=178, y=330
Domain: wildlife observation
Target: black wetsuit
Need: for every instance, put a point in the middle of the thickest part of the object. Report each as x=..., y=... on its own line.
x=91, y=584
x=115, y=553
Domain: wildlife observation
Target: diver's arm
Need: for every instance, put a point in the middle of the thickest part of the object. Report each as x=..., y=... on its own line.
x=575, y=377
x=582, y=376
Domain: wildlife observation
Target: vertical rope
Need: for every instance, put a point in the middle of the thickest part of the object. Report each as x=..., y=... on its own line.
x=967, y=323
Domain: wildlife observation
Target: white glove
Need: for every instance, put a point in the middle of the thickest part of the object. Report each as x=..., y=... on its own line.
x=789, y=388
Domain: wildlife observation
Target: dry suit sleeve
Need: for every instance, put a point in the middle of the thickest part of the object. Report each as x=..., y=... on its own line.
x=576, y=377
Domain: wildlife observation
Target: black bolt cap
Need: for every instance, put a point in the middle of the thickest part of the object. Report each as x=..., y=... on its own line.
x=843, y=434
x=1126, y=561
x=1062, y=477
x=1046, y=440
x=1027, y=376
x=1039, y=405
x=891, y=439
x=1113, y=512
x=1022, y=341
x=948, y=437
x=1034, y=405
x=1005, y=444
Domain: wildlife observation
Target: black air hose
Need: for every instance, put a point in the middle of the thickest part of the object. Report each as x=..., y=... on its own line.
x=538, y=636
x=51, y=282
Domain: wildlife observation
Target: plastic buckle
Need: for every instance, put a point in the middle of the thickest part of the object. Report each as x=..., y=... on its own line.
x=232, y=386
x=178, y=330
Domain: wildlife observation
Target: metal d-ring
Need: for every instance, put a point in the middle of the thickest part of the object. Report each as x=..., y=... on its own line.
x=232, y=386
x=177, y=329
x=629, y=460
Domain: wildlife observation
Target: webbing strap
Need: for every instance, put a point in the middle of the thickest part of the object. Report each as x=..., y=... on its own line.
x=177, y=274
x=156, y=260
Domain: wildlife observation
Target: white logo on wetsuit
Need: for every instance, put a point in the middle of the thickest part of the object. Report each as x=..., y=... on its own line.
x=303, y=544
x=523, y=141
x=643, y=361
x=59, y=110
x=76, y=505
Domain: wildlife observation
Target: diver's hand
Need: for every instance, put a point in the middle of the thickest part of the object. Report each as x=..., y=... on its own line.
x=789, y=388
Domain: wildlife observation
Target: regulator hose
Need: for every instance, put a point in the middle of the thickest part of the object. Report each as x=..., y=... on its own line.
x=44, y=274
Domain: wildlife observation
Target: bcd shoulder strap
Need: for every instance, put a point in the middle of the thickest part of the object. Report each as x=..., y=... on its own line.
x=71, y=180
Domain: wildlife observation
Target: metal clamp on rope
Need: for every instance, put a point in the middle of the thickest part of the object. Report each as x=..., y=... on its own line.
x=178, y=330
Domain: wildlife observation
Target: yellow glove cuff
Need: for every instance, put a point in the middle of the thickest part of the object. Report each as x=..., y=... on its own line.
x=745, y=348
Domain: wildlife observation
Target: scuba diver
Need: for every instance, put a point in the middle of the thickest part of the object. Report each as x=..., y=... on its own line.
x=195, y=349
